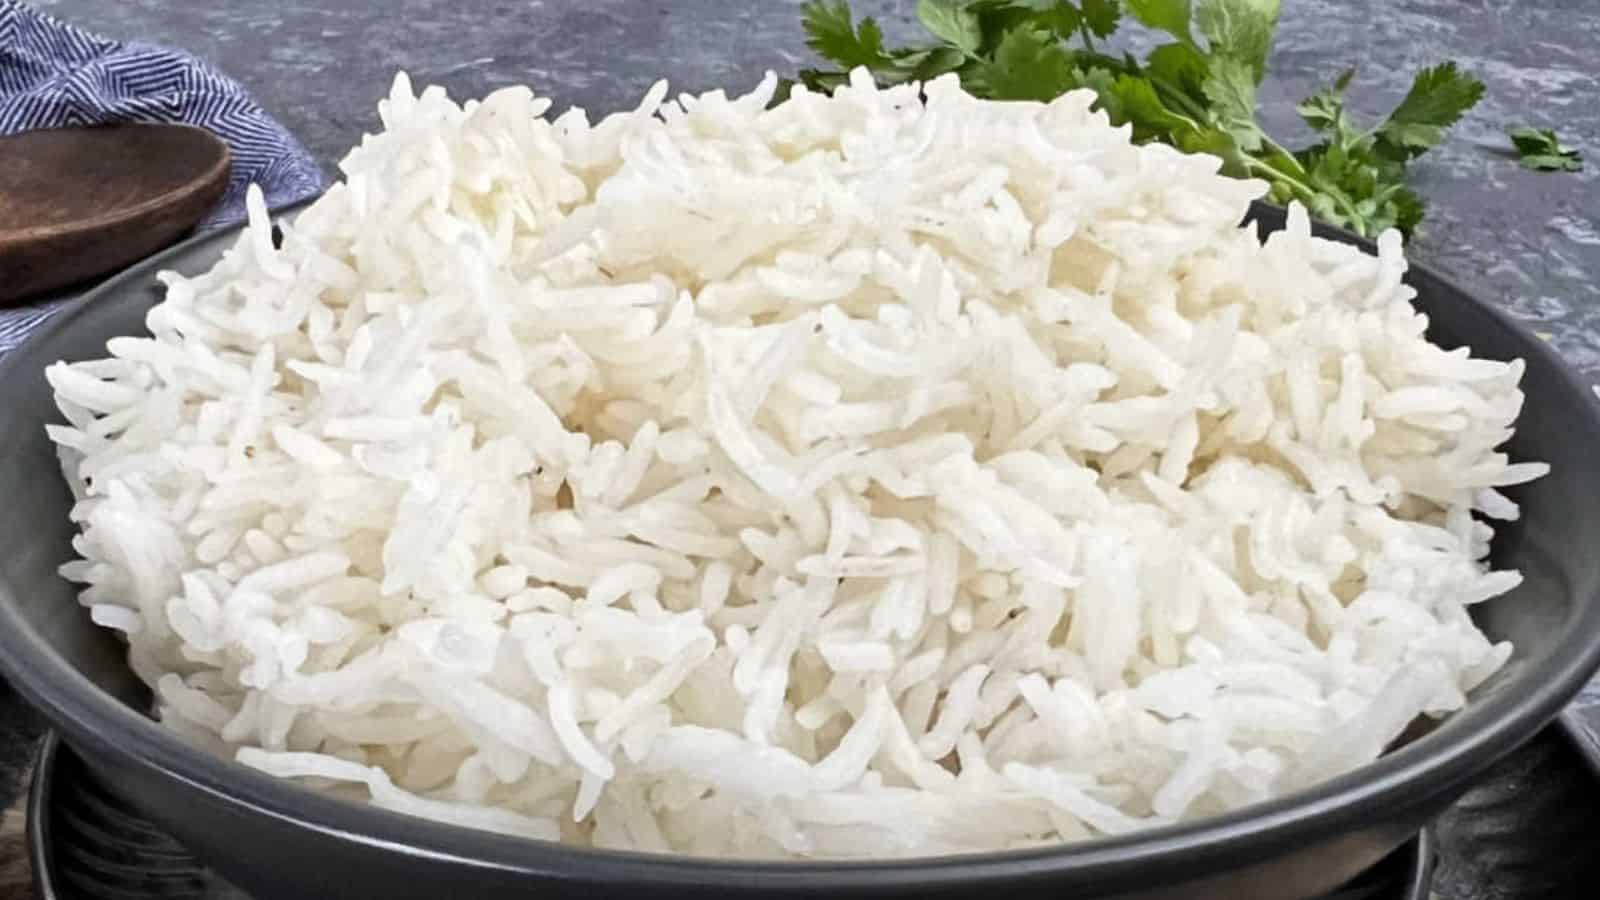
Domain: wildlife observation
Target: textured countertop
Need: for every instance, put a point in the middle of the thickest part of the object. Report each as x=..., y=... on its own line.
x=1526, y=240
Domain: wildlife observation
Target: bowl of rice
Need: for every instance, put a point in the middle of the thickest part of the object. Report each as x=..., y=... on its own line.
x=891, y=493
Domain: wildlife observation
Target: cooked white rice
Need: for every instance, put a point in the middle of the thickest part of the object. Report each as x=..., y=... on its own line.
x=865, y=476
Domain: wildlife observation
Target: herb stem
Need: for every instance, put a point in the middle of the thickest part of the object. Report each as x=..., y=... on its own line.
x=1354, y=219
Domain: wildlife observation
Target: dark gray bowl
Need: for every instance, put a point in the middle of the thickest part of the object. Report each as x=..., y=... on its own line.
x=277, y=839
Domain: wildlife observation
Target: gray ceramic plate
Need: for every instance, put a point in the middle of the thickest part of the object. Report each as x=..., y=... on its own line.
x=83, y=842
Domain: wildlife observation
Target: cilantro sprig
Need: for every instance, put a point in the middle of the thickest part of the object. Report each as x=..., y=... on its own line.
x=1196, y=91
x=1539, y=150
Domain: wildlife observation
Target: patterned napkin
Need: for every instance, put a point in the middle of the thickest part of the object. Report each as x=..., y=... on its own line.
x=53, y=74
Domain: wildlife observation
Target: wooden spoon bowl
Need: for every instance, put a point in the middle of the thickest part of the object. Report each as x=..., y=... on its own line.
x=76, y=203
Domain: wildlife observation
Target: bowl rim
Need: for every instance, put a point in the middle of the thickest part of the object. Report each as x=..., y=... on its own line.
x=1401, y=780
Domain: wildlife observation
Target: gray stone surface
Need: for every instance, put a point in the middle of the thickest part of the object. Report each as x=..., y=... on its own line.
x=1531, y=241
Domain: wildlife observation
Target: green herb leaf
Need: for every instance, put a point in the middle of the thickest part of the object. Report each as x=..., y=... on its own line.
x=1325, y=111
x=1197, y=96
x=821, y=81
x=1533, y=140
x=1029, y=64
x=1439, y=96
x=1101, y=16
x=1549, y=163
x=781, y=94
x=831, y=32
x=1134, y=100
x=997, y=18
x=1181, y=66
x=1408, y=210
x=1239, y=29
x=1062, y=18
x=1232, y=92
x=1171, y=16
x=938, y=61
x=1539, y=149
x=952, y=22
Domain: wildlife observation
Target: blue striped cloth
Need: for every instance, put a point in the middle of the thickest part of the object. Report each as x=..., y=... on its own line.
x=53, y=75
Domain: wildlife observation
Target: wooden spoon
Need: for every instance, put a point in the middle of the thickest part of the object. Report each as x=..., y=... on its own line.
x=80, y=202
